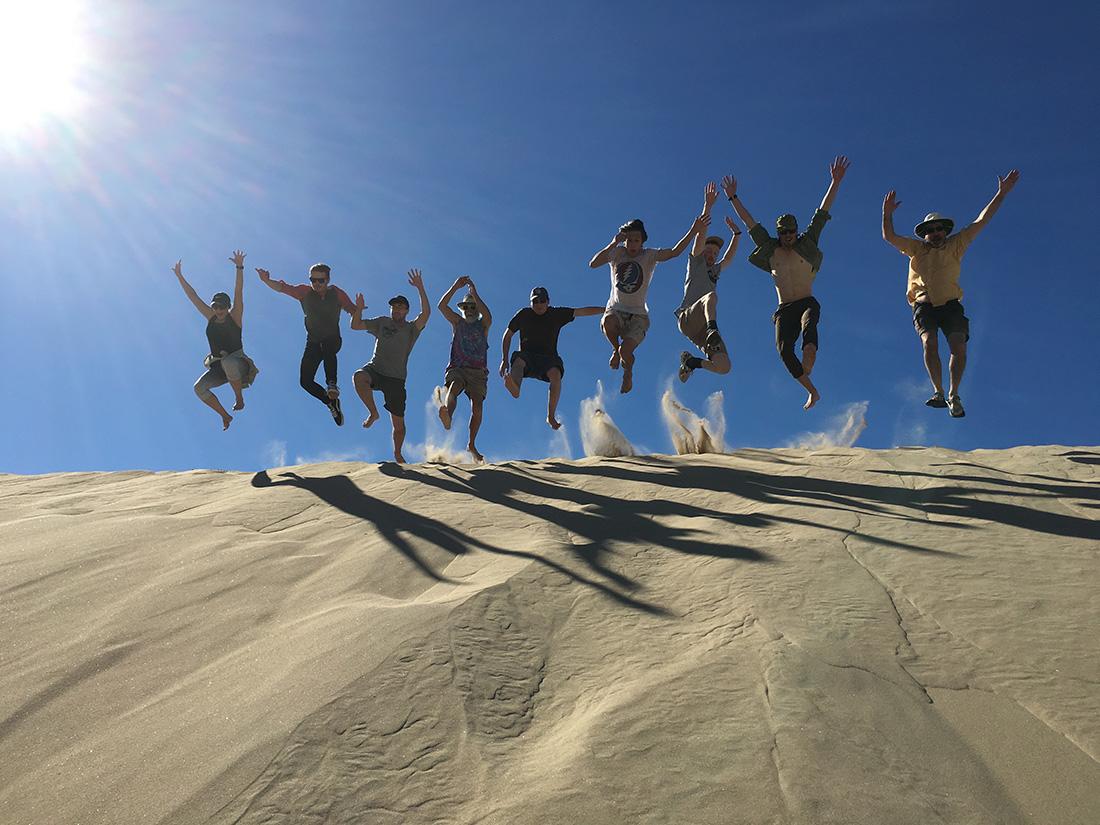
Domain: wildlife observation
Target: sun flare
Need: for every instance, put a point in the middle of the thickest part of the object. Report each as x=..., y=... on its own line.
x=42, y=53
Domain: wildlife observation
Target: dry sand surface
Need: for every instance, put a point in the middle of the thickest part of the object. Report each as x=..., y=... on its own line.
x=771, y=636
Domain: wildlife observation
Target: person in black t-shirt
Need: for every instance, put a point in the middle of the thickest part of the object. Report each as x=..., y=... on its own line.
x=537, y=357
x=226, y=363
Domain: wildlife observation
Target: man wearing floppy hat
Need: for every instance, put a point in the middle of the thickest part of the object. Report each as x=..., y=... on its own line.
x=467, y=370
x=626, y=318
x=537, y=357
x=933, y=287
x=793, y=260
x=389, y=364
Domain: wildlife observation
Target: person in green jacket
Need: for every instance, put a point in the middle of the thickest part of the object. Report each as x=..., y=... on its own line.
x=793, y=261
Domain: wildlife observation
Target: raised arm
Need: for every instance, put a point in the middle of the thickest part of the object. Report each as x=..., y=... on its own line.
x=417, y=281
x=890, y=205
x=444, y=304
x=482, y=307
x=837, y=169
x=698, y=227
x=580, y=312
x=357, y=315
x=604, y=255
x=729, y=186
x=189, y=291
x=265, y=278
x=237, y=312
x=732, y=248
x=710, y=195
x=1004, y=186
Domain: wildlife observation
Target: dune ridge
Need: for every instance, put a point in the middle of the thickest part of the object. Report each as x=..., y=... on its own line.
x=766, y=636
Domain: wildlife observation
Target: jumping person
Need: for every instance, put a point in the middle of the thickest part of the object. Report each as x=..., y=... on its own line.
x=933, y=288
x=626, y=317
x=321, y=302
x=537, y=357
x=697, y=315
x=467, y=370
x=227, y=363
x=793, y=261
x=388, y=367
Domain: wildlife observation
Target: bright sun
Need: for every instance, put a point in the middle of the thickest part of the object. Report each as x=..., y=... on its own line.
x=42, y=53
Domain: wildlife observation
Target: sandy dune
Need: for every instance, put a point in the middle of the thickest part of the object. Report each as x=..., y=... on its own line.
x=772, y=636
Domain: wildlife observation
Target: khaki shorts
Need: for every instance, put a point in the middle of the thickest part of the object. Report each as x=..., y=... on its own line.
x=693, y=325
x=631, y=324
x=474, y=381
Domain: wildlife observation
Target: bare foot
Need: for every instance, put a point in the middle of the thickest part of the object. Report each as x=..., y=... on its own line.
x=553, y=422
x=511, y=385
x=809, y=356
x=226, y=421
x=239, y=405
x=615, y=359
x=478, y=457
x=628, y=380
x=370, y=420
x=400, y=459
x=445, y=417
x=815, y=396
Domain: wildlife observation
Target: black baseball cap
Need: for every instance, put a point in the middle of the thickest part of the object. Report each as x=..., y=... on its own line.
x=399, y=299
x=540, y=292
x=220, y=299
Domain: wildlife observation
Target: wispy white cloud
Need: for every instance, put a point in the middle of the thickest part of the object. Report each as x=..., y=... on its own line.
x=690, y=432
x=359, y=454
x=911, y=434
x=599, y=435
x=844, y=430
x=274, y=453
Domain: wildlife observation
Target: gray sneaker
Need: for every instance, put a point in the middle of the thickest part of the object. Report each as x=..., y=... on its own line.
x=955, y=406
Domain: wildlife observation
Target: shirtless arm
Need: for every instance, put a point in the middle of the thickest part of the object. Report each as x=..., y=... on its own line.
x=604, y=255
x=732, y=248
x=237, y=313
x=189, y=291
x=416, y=280
x=890, y=205
x=729, y=186
x=837, y=169
x=580, y=312
x=482, y=307
x=698, y=227
x=710, y=195
x=444, y=304
x=1004, y=186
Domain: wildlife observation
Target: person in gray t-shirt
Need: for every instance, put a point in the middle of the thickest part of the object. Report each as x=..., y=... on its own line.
x=388, y=366
x=697, y=315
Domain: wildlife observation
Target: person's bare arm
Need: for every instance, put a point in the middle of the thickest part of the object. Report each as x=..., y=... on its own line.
x=698, y=227
x=482, y=307
x=189, y=291
x=837, y=169
x=444, y=304
x=710, y=195
x=732, y=248
x=237, y=312
x=505, y=343
x=604, y=255
x=890, y=205
x=1004, y=186
x=417, y=281
x=729, y=186
x=580, y=312
x=357, y=316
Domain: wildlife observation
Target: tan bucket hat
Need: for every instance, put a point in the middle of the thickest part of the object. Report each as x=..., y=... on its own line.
x=921, y=229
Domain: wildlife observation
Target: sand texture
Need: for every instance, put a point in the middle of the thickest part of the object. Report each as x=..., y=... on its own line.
x=771, y=636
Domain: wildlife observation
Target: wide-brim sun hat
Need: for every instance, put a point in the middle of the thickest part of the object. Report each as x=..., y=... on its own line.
x=921, y=229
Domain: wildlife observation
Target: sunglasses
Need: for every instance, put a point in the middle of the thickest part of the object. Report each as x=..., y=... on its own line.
x=467, y=306
x=933, y=229
x=540, y=300
x=319, y=280
x=788, y=231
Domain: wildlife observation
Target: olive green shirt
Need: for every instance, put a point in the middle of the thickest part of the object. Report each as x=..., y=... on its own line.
x=805, y=244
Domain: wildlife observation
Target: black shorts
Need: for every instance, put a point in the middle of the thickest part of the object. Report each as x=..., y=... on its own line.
x=536, y=366
x=392, y=389
x=949, y=317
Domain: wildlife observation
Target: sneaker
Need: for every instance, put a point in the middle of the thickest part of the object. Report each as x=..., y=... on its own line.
x=333, y=391
x=936, y=401
x=337, y=414
x=955, y=406
x=685, y=370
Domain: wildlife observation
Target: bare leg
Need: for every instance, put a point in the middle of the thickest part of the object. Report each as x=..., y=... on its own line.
x=809, y=356
x=932, y=360
x=554, y=374
x=514, y=377
x=626, y=351
x=239, y=400
x=475, y=425
x=448, y=407
x=957, y=363
x=398, y=437
x=213, y=403
x=610, y=326
x=815, y=396
x=719, y=362
x=361, y=380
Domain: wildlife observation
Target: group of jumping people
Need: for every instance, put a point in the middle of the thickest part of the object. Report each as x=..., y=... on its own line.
x=791, y=257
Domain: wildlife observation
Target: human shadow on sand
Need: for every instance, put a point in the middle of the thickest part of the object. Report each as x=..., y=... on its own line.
x=395, y=524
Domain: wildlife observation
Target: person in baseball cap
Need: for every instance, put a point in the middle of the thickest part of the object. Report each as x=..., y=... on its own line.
x=932, y=289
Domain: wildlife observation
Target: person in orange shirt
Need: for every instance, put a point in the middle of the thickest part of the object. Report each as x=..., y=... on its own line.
x=933, y=288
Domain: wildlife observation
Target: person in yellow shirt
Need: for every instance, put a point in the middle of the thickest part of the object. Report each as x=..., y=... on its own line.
x=933, y=289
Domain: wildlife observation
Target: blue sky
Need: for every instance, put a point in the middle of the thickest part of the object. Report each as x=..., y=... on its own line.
x=507, y=141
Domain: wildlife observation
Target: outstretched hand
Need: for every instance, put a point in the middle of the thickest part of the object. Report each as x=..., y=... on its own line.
x=890, y=204
x=710, y=194
x=732, y=226
x=701, y=224
x=178, y=268
x=360, y=302
x=620, y=237
x=415, y=279
x=838, y=167
x=265, y=276
x=729, y=186
x=1005, y=184
x=238, y=259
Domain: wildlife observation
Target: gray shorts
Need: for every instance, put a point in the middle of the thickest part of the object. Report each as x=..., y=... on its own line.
x=232, y=367
x=693, y=325
x=632, y=325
